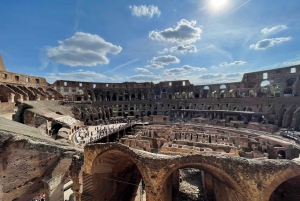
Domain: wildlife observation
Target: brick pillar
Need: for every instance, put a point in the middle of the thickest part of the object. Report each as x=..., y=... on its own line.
x=11, y=97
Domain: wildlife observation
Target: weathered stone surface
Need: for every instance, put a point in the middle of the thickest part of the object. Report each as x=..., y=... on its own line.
x=244, y=179
x=27, y=157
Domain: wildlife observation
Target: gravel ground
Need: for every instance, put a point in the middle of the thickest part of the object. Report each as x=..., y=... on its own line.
x=191, y=188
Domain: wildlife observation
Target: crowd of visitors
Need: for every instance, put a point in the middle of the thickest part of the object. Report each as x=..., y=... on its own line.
x=89, y=134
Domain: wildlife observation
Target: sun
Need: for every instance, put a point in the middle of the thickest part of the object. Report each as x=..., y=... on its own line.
x=218, y=3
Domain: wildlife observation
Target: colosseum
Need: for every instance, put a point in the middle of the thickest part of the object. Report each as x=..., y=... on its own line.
x=133, y=141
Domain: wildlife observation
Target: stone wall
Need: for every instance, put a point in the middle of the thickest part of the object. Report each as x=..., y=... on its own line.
x=6, y=107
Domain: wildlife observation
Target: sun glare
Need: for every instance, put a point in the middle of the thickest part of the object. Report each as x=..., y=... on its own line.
x=218, y=3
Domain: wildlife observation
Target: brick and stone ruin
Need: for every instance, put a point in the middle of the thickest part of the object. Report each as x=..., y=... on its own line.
x=132, y=141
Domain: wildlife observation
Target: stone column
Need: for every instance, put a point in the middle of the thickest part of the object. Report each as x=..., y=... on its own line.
x=11, y=97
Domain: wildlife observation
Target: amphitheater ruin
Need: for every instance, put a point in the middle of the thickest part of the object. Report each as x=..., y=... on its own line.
x=129, y=141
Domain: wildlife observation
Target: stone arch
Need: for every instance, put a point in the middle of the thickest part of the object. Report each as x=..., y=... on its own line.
x=264, y=88
x=114, y=96
x=203, y=164
x=55, y=127
x=223, y=86
x=114, y=160
x=277, y=180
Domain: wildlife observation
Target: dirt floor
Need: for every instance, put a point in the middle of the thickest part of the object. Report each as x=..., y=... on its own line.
x=191, y=185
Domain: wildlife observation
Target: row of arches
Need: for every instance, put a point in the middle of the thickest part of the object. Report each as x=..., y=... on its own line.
x=125, y=173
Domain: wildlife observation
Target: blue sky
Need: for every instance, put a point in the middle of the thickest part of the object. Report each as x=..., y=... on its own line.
x=205, y=41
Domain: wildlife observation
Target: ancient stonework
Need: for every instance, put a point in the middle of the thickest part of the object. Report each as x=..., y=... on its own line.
x=129, y=141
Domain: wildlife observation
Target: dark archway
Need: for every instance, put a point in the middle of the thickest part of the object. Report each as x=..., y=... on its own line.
x=290, y=81
x=289, y=190
x=78, y=98
x=114, y=97
x=143, y=113
x=281, y=154
x=210, y=175
x=118, y=177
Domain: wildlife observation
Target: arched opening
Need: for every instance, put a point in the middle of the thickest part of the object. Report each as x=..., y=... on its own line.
x=108, y=96
x=170, y=96
x=131, y=113
x=143, y=113
x=126, y=95
x=251, y=93
x=281, y=154
x=222, y=94
x=214, y=94
x=223, y=86
x=54, y=129
x=177, y=95
x=139, y=96
x=196, y=95
x=78, y=98
x=114, y=97
x=167, y=113
x=205, y=92
x=132, y=96
x=203, y=180
x=265, y=85
x=290, y=81
x=19, y=116
x=155, y=113
x=118, y=177
x=164, y=90
x=277, y=91
x=148, y=113
x=287, y=191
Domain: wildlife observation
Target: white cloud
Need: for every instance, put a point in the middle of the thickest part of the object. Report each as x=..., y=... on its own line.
x=141, y=70
x=235, y=63
x=142, y=77
x=78, y=75
x=183, y=49
x=291, y=63
x=181, y=71
x=232, y=75
x=185, y=33
x=210, y=76
x=144, y=10
x=165, y=60
x=266, y=43
x=166, y=50
x=154, y=66
x=273, y=29
x=82, y=49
